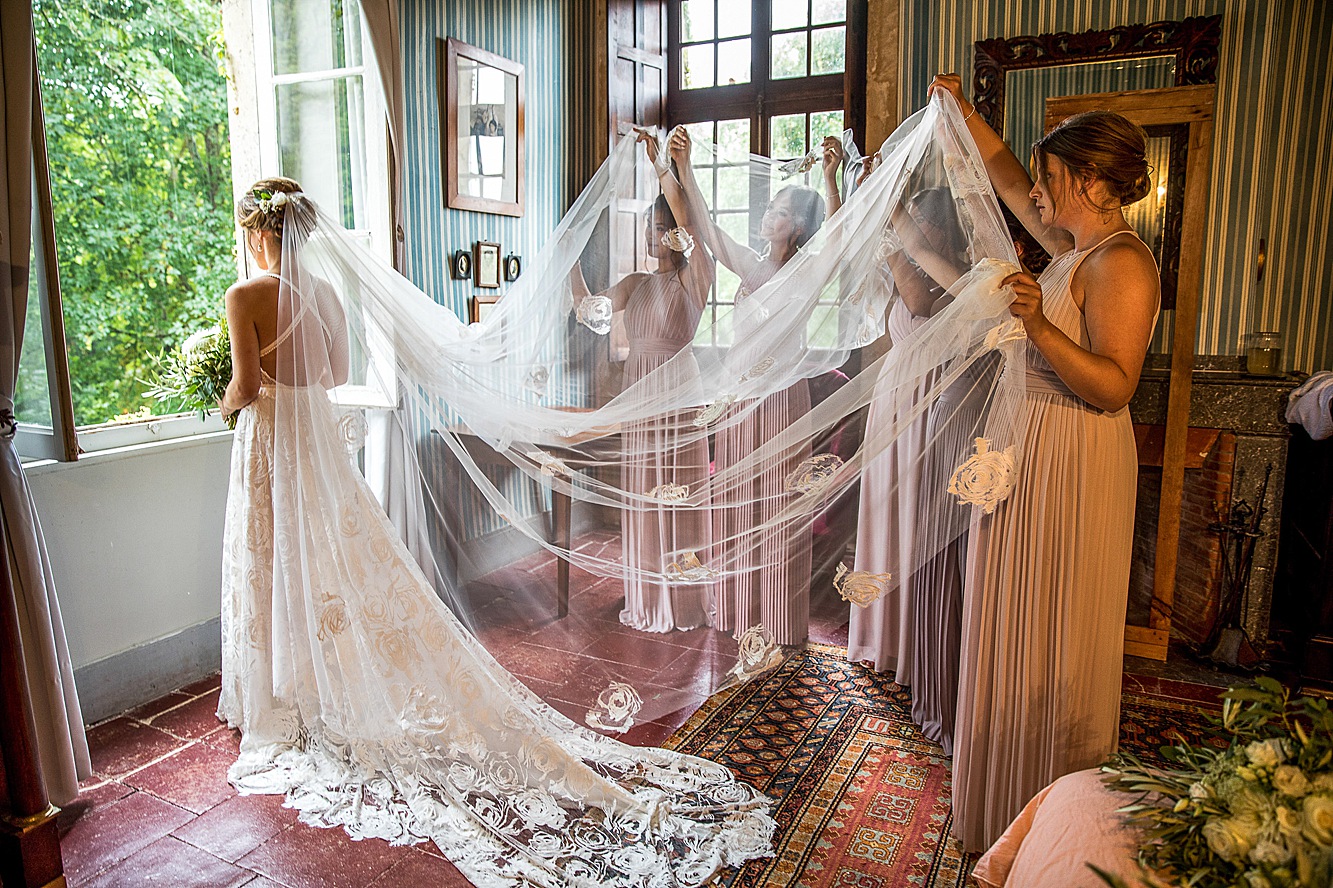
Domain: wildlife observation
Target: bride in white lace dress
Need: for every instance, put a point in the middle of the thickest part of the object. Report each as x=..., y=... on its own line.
x=358, y=693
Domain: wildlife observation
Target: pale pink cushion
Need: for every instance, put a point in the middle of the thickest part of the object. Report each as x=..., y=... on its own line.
x=1069, y=824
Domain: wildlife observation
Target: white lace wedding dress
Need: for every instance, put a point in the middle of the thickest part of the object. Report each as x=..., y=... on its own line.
x=361, y=697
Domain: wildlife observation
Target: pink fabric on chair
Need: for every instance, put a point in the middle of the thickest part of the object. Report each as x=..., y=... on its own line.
x=1066, y=826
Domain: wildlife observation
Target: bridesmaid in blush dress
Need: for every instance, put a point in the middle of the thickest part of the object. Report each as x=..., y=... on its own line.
x=1047, y=573
x=912, y=630
x=661, y=312
x=766, y=581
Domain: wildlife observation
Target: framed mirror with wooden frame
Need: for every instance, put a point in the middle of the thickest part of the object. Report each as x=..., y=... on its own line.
x=1161, y=76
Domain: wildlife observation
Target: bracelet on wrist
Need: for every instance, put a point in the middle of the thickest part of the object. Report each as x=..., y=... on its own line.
x=970, y=113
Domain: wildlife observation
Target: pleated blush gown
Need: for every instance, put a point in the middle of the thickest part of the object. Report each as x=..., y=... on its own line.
x=660, y=321
x=1046, y=586
x=766, y=579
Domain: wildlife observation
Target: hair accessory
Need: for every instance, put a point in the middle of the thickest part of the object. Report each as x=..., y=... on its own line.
x=270, y=202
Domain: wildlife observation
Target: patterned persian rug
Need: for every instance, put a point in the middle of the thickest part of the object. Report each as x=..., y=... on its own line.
x=863, y=797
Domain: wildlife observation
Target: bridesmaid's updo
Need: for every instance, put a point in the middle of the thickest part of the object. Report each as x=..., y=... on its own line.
x=1101, y=145
x=257, y=211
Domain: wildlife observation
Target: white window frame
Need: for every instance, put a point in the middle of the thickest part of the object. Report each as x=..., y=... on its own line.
x=378, y=235
x=36, y=442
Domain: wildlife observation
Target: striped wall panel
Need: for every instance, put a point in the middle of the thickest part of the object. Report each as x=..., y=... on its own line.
x=1273, y=146
x=532, y=33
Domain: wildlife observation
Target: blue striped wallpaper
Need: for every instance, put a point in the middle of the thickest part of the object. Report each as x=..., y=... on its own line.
x=530, y=33
x=1273, y=146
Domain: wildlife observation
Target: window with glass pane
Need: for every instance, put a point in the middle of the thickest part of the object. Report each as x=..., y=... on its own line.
x=715, y=43
x=767, y=73
x=723, y=175
x=318, y=80
x=140, y=170
x=809, y=38
x=32, y=387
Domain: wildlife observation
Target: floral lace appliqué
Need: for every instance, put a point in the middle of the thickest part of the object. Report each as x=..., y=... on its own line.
x=713, y=412
x=860, y=587
x=669, y=493
x=758, y=653
x=985, y=478
x=814, y=473
x=352, y=428
x=551, y=466
x=538, y=380
x=615, y=708
x=964, y=176
x=757, y=370
x=1011, y=330
x=689, y=569
x=594, y=312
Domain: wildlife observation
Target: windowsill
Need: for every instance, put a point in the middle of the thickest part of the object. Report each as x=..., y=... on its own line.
x=127, y=451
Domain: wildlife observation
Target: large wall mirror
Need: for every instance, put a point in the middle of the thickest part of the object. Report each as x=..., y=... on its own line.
x=1015, y=77
x=1161, y=76
x=481, y=101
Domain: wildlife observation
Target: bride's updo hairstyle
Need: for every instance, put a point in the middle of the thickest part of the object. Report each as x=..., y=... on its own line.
x=258, y=210
x=1101, y=145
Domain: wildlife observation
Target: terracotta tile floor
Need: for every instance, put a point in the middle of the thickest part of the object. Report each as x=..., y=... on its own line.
x=159, y=810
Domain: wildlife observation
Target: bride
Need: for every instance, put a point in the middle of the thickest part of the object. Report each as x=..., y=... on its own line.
x=358, y=693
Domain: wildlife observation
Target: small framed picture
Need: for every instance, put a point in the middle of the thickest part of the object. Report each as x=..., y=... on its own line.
x=486, y=265
x=513, y=267
x=480, y=307
x=462, y=265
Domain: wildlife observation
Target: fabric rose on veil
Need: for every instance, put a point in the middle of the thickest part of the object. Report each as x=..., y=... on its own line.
x=986, y=478
x=594, y=312
x=616, y=708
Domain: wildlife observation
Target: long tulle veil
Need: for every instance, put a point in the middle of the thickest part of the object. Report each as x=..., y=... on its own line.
x=625, y=399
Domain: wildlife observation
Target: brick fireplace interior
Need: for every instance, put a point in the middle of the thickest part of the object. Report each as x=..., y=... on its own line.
x=1205, y=500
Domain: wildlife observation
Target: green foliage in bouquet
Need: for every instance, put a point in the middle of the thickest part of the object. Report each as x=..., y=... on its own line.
x=1257, y=814
x=195, y=376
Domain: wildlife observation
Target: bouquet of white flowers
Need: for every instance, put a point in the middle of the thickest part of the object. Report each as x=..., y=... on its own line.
x=1257, y=814
x=197, y=374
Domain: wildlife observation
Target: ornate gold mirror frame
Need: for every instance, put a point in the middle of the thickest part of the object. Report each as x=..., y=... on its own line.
x=1186, y=108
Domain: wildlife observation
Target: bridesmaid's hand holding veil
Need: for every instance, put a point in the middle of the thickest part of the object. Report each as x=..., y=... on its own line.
x=1027, y=305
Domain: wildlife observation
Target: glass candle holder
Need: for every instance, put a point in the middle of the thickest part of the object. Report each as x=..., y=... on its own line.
x=1263, y=354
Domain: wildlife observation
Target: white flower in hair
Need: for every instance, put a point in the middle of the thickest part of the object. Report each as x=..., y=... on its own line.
x=279, y=200
x=985, y=478
x=594, y=312
x=680, y=240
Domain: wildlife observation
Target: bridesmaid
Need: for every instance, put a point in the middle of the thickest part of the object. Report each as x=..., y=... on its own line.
x=661, y=313
x=912, y=630
x=1048, y=571
x=765, y=582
